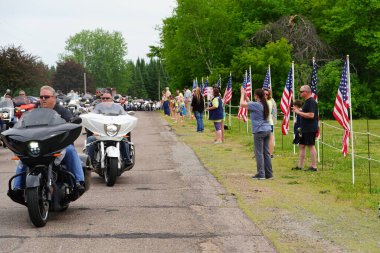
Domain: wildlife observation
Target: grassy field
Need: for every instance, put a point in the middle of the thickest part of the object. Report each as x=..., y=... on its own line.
x=300, y=211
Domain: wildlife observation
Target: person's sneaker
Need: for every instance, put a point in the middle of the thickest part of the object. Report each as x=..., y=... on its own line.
x=257, y=177
x=312, y=169
x=296, y=168
x=269, y=178
x=218, y=142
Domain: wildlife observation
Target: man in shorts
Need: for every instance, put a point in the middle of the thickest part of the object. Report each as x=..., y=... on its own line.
x=309, y=128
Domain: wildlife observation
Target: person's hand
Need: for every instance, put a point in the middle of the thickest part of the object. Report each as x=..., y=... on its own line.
x=242, y=91
x=295, y=110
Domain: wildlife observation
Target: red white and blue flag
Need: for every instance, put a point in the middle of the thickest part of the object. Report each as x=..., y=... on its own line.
x=286, y=100
x=228, y=93
x=313, y=86
x=205, y=87
x=341, y=107
x=267, y=83
x=248, y=87
x=243, y=112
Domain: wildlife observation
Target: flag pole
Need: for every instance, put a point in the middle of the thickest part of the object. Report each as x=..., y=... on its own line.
x=294, y=114
x=246, y=78
x=318, y=156
x=250, y=74
x=270, y=87
x=351, y=126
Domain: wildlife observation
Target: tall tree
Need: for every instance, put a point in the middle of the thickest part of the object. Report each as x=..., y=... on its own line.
x=20, y=70
x=69, y=76
x=102, y=53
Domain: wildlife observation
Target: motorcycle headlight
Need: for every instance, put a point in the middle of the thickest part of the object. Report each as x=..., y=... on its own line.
x=5, y=115
x=60, y=103
x=34, y=148
x=111, y=129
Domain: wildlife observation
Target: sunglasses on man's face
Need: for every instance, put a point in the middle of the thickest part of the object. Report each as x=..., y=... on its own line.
x=21, y=94
x=106, y=98
x=45, y=97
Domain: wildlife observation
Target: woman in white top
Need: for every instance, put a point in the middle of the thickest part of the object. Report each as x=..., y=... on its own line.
x=272, y=118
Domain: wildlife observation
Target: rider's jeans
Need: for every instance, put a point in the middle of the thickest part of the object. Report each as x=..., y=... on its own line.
x=124, y=149
x=71, y=160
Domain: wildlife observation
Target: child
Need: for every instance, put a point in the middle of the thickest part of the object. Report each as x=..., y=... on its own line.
x=297, y=123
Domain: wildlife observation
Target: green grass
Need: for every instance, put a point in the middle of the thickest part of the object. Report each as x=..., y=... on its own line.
x=325, y=204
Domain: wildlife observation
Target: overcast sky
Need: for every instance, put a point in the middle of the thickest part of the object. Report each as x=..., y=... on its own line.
x=41, y=27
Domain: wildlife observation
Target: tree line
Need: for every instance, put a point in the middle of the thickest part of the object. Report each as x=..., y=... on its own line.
x=215, y=37
x=99, y=53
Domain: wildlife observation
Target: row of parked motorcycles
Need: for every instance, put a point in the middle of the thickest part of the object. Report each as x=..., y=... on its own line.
x=39, y=139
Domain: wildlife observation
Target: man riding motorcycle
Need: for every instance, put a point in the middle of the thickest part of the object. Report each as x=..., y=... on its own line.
x=107, y=104
x=71, y=158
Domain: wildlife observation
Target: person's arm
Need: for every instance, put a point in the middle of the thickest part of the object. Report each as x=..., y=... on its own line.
x=243, y=98
x=306, y=115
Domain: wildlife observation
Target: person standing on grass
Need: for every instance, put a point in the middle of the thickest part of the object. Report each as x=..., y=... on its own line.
x=216, y=114
x=188, y=98
x=261, y=129
x=309, y=128
x=272, y=118
x=197, y=106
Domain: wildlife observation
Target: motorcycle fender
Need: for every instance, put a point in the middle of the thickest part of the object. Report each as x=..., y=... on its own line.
x=33, y=180
x=113, y=151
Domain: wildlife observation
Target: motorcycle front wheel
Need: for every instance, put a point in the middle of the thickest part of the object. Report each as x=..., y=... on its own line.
x=110, y=172
x=38, y=205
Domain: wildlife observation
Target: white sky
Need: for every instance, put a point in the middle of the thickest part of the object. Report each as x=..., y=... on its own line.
x=41, y=27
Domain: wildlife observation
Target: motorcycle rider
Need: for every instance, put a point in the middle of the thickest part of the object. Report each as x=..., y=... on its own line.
x=98, y=97
x=107, y=102
x=71, y=158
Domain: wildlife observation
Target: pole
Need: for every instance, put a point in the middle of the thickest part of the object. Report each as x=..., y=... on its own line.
x=351, y=126
x=294, y=114
x=318, y=156
x=369, y=160
x=84, y=74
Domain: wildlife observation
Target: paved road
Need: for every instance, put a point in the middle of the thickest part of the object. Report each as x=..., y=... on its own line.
x=167, y=203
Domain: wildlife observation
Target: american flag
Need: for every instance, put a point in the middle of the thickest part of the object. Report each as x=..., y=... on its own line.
x=228, y=93
x=243, y=112
x=204, y=91
x=218, y=83
x=195, y=84
x=341, y=107
x=313, y=85
x=286, y=101
x=248, y=88
x=267, y=84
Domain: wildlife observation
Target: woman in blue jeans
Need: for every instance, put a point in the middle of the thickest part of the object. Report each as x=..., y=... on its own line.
x=261, y=129
x=198, y=107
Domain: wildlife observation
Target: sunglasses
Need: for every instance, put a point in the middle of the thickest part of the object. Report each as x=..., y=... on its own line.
x=106, y=98
x=302, y=91
x=45, y=97
x=21, y=94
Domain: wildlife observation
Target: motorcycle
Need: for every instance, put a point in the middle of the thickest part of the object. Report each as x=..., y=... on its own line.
x=7, y=111
x=23, y=104
x=39, y=140
x=111, y=130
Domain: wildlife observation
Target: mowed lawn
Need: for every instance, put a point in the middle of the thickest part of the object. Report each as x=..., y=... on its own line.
x=300, y=211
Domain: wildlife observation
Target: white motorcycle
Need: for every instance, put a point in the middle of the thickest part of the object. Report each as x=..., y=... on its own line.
x=111, y=131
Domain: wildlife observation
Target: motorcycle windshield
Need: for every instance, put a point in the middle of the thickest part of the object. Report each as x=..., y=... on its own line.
x=21, y=100
x=39, y=117
x=109, y=109
x=6, y=103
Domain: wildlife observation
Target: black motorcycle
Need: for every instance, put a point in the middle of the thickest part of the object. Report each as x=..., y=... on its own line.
x=38, y=140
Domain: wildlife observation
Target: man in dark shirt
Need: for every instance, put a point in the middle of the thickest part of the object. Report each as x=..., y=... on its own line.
x=71, y=159
x=309, y=128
